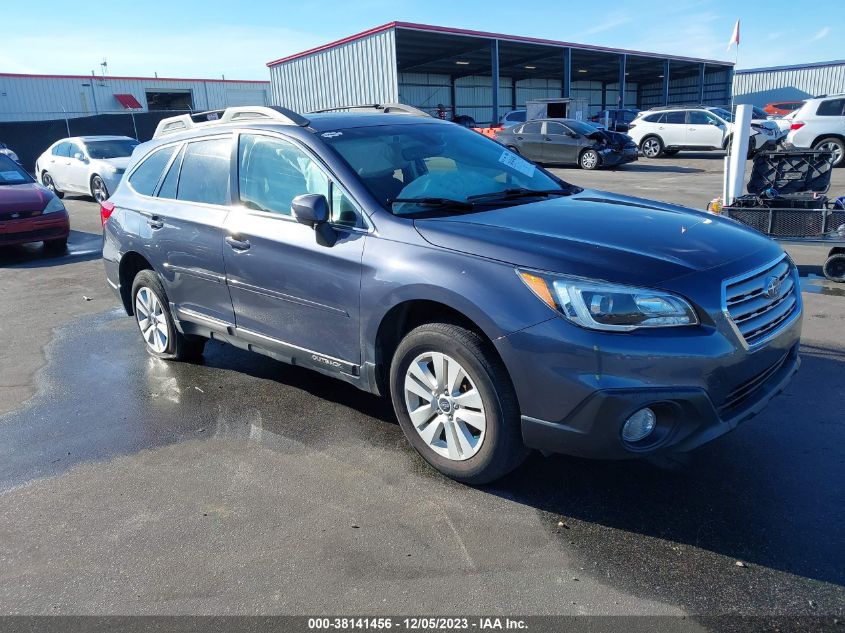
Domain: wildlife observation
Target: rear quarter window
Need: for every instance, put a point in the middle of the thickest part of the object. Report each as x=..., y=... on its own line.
x=146, y=176
x=653, y=118
x=833, y=107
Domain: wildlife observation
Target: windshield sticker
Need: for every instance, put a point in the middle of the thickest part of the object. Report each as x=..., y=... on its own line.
x=331, y=134
x=515, y=162
x=11, y=176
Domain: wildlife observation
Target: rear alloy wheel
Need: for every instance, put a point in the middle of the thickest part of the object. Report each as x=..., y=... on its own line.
x=47, y=181
x=456, y=404
x=834, y=268
x=651, y=147
x=589, y=159
x=99, y=191
x=833, y=145
x=152, y=314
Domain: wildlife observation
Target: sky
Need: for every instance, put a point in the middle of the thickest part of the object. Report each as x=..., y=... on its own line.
x=215, y=38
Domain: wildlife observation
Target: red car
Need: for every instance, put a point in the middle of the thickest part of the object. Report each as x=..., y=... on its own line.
x=782, y=107
x=28, y=211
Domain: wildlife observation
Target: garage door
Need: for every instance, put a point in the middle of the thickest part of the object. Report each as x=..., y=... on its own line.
x=245, y=97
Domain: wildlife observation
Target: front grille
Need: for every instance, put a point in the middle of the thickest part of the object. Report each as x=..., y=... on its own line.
x=756, y=311
x=35, y=236
x=17, y=215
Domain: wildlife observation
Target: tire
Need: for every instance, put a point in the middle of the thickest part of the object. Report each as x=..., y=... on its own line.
x=671, y=152
x=56, y=246
x=164, y=340
x=47, y=181
x=513, y=149
x=652, y=147
x=728, y=145
x=834, y=145
x=99, y=190
x=589, y=159
x=485, y=412
x=834, y=268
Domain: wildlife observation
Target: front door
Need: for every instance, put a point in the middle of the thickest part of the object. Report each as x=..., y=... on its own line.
x=561, y=145
x=703, y=130
x=76, y=170
x=291, y=290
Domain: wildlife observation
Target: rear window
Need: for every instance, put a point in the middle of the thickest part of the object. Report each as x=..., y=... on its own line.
x=833, y=107
x=205, y=172
x=11, y=173
x=146, y=176
x=516, y=116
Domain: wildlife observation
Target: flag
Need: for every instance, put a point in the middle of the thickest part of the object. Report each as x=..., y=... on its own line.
x=735, y=36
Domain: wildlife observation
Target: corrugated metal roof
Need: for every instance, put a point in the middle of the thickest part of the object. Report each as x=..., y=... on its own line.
x=838, y=62
x=119, y=78
x=480, y=34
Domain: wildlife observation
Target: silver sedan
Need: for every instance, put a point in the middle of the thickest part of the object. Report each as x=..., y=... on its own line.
x=90, y=165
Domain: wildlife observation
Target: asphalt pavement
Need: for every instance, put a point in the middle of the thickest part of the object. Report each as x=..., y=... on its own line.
x=240, y=485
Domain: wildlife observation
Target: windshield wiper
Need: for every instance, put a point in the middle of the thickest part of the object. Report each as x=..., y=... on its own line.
x=436, y=202
x=519, y=192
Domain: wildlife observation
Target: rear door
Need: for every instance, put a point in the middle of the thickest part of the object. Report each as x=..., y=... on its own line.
x=703, y=130
x=291, y=291
x=529, y=139
x=182, y=225
x=672, y=128
x=559, y=145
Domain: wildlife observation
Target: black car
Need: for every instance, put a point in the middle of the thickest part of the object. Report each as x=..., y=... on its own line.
x=569, y=141
x=617, y=120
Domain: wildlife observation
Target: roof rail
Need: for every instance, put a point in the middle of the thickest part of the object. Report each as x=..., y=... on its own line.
x=194, y=120
x=387, y=108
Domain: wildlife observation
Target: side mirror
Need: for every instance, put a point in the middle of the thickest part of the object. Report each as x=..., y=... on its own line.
x=311, y=209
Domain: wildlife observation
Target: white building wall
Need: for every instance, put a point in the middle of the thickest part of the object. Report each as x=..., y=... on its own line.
x=44, y=97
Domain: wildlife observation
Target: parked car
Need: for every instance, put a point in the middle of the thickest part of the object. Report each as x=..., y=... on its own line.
x=785, y=122
x=782, y=108
x=567, y=141
x=4, y=149
x=617, y=120
x=90, y=165
x=28, y=211
x=512, y=118
x=666, y=131
x=499, y=307
x=820, y=124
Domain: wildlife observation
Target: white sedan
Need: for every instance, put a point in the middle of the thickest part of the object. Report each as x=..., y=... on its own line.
x=90, y=165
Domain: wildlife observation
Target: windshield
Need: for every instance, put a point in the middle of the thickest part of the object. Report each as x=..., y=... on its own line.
x=115, y=148
x=429, y=162
x=11, y=173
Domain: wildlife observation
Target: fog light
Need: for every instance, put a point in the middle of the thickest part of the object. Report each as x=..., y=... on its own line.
x=639, y=425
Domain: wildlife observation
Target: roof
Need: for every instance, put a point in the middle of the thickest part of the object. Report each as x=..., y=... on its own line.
x=744, y=71
x=347, y=120
x=480, y=34
x=96, y=77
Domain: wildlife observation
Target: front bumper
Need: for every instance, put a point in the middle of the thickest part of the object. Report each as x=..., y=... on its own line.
x=41, y=228
x=613, y=157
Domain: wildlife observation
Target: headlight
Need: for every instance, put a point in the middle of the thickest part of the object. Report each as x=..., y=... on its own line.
x=55, y=205
x=610, y=307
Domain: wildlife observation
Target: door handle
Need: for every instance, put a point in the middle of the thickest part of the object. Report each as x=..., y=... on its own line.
x=546, y=138
x=236, y=244
x=519, y=138
x=154, y=223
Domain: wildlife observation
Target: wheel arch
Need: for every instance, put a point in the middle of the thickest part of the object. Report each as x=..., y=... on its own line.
x=821, y=137
x=131, y=263
x=836, y=250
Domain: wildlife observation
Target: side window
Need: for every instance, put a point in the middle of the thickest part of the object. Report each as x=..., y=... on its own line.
x=343, y=211
x=676, y=118
x=833, y=107
x=145, y=178
x=555, y=128
x=653, y=118
x=74, y=149
x=168, y=186
x=697, y=117
x=205, y=172
x=272, y=172
x=532, y=127
x=61, y=149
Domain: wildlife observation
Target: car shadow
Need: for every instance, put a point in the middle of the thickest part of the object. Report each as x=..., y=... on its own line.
x=657, y=169
x=768, y=494
x=81, y=247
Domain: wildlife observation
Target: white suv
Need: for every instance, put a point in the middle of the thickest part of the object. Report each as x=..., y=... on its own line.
x=820, y=124
x=666, y=131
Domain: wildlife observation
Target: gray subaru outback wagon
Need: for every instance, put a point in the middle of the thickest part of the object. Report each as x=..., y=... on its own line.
x=500, y=308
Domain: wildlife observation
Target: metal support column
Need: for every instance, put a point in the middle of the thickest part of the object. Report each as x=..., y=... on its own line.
x=513, y=94
x=623, y=58
x=566, y=84
x=701, y=69
x=453, y=96
x=494, y=73
x=665, y=82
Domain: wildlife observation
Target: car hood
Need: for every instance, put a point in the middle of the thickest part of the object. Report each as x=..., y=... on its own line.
x=616, y=139
x=599, y=235
x=25, y=197
x=119, y=163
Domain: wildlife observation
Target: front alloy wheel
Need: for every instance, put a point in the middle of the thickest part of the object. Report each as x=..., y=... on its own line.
x=589, y=159
x=99, y=191
x=445, y=406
